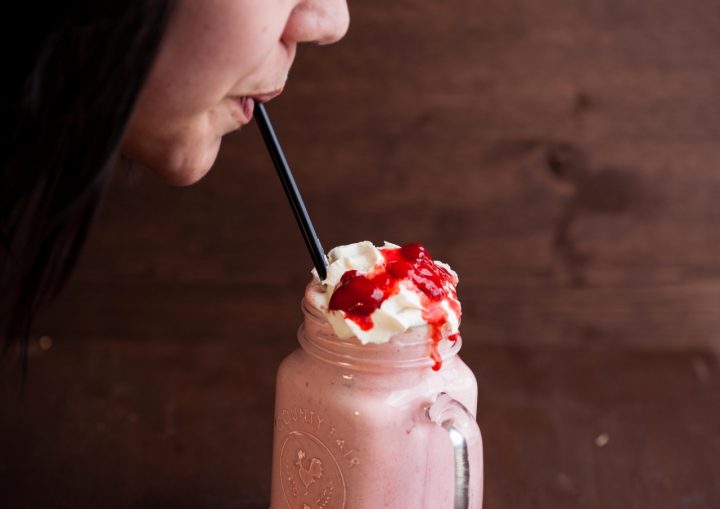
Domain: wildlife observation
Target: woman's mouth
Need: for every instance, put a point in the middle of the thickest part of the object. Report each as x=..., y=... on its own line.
x=242, y=106
x=263, y=98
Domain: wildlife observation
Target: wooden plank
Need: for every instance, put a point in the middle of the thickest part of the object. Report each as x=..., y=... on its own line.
x=154, y=423
x=562, y=156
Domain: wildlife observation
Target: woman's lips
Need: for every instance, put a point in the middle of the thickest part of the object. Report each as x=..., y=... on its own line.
x=263, y=98
x=243, y=106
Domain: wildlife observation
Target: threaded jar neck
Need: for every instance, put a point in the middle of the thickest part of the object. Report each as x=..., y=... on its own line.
x=410, y=349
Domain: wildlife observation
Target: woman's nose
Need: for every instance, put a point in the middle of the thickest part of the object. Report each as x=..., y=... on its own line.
x=320, y=21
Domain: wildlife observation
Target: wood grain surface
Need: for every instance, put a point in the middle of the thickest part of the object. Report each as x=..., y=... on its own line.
x=562, y=156
x=155, y=424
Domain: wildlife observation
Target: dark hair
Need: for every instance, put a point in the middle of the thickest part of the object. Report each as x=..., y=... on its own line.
x=74, y=74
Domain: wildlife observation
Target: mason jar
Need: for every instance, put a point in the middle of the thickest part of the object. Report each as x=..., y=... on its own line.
x=371, y=426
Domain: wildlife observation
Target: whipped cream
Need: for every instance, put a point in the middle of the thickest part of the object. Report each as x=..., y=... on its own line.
x=375, y=293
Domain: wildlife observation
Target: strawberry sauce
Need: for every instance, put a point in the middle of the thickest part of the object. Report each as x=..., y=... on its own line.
x=359, y=295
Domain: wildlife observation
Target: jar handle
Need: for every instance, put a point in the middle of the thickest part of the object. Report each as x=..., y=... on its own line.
x=467, y=442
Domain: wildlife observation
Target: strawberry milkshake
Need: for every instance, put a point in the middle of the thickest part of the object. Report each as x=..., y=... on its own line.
x=376, y=409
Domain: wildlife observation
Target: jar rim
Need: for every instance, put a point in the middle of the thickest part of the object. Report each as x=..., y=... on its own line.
x=410, y=349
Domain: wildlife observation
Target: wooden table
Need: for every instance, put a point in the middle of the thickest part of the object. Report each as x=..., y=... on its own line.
x=562, y=156
x=150, y=424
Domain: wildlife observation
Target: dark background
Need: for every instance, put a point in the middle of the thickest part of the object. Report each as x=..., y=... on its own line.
x=562, y=156
x=435, y=123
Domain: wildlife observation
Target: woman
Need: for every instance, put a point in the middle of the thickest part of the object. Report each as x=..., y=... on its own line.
x=156, y=81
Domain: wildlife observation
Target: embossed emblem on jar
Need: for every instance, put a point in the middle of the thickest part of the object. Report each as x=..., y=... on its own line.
x=313, y=456
x=311, y=477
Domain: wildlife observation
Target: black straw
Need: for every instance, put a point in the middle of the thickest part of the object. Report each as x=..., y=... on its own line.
x=291, y=190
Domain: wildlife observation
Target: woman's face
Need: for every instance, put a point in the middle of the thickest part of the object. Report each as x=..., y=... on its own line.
x=216, y=54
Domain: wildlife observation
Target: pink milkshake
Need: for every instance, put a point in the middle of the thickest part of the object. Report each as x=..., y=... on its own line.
x=376, y=409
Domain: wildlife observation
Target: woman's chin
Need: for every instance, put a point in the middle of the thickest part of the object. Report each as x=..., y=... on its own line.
x=184, y=175
x=182, y=167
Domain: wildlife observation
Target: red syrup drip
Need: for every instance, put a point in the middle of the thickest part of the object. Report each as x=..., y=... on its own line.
x=359, y=295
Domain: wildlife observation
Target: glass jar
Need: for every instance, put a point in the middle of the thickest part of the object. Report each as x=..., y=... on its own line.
x=370, y=426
